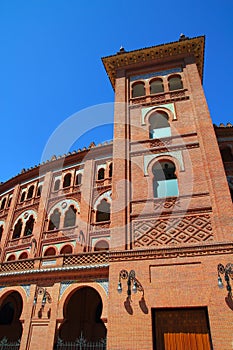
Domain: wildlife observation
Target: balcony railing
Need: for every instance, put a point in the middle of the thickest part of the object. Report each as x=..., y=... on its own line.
x=160, y=97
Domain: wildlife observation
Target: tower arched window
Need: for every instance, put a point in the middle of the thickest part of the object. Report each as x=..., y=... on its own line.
x=9, y=202
x=30, y=192
x=165, y=182
x=101, y=174
x=226, y=154
x=70, y=217
x=29, y=226
x=17, y=229
x=175, y=83
x=50, y=252
x=39, y=191
x=159, y=126
x=110, y=170
x=78, y=179
x=67, y=180
x=103, y=211
x=22, y=196
x=54, y=221
x=3, y=203
x=56, y=185
x=1, y=232
x=138, y=89
x=156, y=86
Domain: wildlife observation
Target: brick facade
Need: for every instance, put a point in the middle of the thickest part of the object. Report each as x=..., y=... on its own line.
x=173, y=240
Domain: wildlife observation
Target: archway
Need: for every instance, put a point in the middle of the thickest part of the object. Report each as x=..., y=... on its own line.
x=82, y=316
x=10, y=312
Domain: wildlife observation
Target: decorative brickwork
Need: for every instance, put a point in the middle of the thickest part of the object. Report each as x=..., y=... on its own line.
x=82, y=259
x=173, y=231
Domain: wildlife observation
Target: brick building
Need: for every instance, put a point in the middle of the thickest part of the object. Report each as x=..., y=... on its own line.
x=150, y=213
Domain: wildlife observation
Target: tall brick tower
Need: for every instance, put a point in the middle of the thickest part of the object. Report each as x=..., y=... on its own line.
x=171, y=220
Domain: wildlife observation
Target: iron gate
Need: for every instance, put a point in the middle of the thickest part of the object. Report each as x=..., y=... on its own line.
x=6, y=344
x=81, y=344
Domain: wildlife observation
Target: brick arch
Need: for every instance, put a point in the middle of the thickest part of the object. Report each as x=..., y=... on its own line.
x=173, y=156
x=106, y=196
x=7, y=290
x=73, y=288
x=25, y=216
x=168, y=109
x=63, y=206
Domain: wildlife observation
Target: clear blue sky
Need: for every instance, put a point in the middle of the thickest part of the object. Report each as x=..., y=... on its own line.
x=50, y=61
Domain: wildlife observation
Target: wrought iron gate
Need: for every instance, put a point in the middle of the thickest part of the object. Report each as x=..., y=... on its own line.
x=81, y=344
x=6, y=344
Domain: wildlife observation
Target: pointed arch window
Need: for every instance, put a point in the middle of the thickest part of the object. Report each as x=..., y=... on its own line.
x=29, y=226
x=138, y=89
x=103, y=211
x=17, y=229
x=110, y=170
x=30, y=192
x=101, y=174
x=165, y=182
x=175, y=83
x=56, y=185
x=156, y=86
x=70, y=217
x=22, y=196
x=67, y=180
x=54, y=221
x=159, y=126
x=3, y=203
x=78, y=179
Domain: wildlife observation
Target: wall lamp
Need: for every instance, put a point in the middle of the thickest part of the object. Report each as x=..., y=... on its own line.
x=46, y=296
x=227, y=271
x=133, y=285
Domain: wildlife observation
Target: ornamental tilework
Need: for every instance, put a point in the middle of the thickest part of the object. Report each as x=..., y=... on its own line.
x=64, y=286
x=26, y=287
x=174, y=231
x=104, y=284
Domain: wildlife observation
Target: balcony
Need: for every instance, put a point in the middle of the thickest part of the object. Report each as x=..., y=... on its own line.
x=165, y=97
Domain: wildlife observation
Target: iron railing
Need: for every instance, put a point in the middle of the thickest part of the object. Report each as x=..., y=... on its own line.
x=81, y=344
x=6, y=344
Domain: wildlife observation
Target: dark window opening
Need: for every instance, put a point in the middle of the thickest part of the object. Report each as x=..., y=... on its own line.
x=110, y=170
x=11, y=257
x=101, y=174
x=67, y=180
x=67, y=249
x=156, y=86
x=101, y=245
x=103, y=211
x=22, y=196
x=175, y=83
x=56, y=185
x=39, y=191
x=1, y=232
x=138, y=90
x=29, y=226
x=3, y=204
x=70, y=217
x=9, y=202
x=78, y=179
x=17, y=229
x=50, y=252
x=54, y=221
x=22, y=256
x=159, y=125
x=30, y=192
x=165, y=181
x=226, y=154
x=7, y=314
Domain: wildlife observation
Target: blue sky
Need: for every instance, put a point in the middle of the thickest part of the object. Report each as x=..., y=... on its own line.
x=50, y=62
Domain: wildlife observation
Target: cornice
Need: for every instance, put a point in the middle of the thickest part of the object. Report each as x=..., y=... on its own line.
x=176, y=50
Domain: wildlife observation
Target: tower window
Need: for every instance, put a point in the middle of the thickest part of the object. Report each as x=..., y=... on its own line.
x=29, y=226
x=175, y=83
x=70, y=217
x=101, y=174
x=22, y=196
x=110, y=170
x=30, y=192
x=56, y=185
x=78, y=179
x=17, y=229
x=39, y=190
x=103, y=211
x=3, y=204
x=138, y=89
x=54, y=221
x=67, y=180
x=156, y=86
x=159, y=126
x=165, y=182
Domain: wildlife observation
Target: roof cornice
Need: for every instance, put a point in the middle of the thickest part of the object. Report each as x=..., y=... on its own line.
x=178, y=49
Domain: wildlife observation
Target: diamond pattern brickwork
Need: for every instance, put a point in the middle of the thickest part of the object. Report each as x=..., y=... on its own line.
x=172, y=231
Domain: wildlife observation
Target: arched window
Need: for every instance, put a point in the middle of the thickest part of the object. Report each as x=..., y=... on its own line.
x=103, y=211
x=101, y=174
x=11, y=257
x=23, y=255
x=1, y=232
x=226, y=154
x=54, y=221
x=17, y=229
x=159, y=126
x=156, y=86
x=22, y=196
x=70, y=217
x=78, y=179
x=110, y=170
x=138, y=89
x=30, y=192
x=3, y=203
x=56, y=185
x=67, y=249
x=9, y=202
x=165, y=181
x=67, y=180
x=175, y=83
x=29, y=226
x=101, y=245
x=50, y=252
x=39, y=190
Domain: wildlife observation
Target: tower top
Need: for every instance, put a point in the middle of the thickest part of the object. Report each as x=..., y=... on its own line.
x=178, y=49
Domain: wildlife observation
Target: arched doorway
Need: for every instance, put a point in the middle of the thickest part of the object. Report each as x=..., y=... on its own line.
x=82, y=320
x=10, y=325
